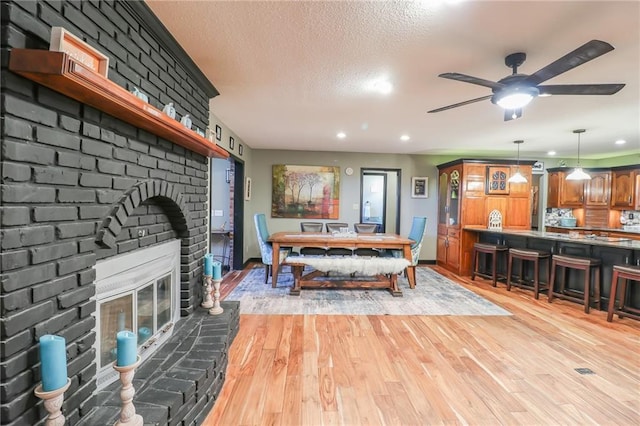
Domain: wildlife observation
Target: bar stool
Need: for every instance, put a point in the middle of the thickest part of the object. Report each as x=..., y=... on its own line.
x=581, y=264
x=528, y=255
x=623, y=273
x=492, y=250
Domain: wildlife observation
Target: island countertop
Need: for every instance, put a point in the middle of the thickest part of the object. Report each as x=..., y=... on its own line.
x=619, y=242
x=594, y=229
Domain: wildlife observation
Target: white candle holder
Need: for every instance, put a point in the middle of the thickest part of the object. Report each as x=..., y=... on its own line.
x=128, y=416
x=206, y=296
x=216, y=309
x=53, y=403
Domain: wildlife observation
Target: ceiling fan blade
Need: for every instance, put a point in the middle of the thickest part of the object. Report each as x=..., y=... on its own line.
x=580, y=89
x=581, y=55
x=473, y=80
x=512, y=114
x=470, y=101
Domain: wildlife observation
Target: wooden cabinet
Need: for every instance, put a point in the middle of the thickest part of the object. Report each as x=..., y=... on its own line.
x=563, y=193
x=598, y=189
x=464, y=201
x=595, y=201
x=624, y=189
x=553, y=189
x=519, y=213
x=449, y=193
x=571, y=192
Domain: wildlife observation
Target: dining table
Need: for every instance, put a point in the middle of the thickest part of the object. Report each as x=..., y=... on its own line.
x=348, y=240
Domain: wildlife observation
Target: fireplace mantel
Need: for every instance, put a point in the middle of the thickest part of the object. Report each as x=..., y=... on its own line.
x=59, y=72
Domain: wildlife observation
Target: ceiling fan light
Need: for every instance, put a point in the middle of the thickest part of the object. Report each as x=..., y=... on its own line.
x=514, y=100
x=517, y=178
x=578, y=174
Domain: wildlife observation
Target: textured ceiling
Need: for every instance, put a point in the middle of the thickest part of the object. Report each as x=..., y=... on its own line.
x=292, y=74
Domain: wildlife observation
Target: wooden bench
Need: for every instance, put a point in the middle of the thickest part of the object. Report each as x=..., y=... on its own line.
x=379, y=272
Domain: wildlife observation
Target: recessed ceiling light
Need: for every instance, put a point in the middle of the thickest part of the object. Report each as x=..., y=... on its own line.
x=551, y=153
x=381, y=85
x=404, y=138
x=341, y=135
x=620, y=142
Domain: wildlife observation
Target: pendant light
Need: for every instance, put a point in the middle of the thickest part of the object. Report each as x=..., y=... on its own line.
x=578, y=173
x=517, y=176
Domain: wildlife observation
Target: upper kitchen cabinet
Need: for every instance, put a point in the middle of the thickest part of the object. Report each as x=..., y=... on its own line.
x=625, y=185
x=598, y=189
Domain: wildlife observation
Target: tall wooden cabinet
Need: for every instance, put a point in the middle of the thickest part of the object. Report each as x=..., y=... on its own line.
x=466, y=196
x=448, y=243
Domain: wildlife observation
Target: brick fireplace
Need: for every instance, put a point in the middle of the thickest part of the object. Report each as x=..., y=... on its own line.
x=80, y=187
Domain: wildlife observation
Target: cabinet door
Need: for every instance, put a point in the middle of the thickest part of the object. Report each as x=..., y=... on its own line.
x=453, y=253
x=553, y=191
x=454, y=197
x=473, y=212
x=521, y=189
x=637, y=192
x=571, y=193
x=622, y=189
x=518, y=214
x=443, y=189
x=441, y=249
x=598, y=189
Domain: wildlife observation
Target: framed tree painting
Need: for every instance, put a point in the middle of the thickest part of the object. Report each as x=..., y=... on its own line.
x=311, y=192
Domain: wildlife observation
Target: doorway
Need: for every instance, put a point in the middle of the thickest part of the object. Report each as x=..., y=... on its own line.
x=238, y=215
x=380, y=198
x=227, y=212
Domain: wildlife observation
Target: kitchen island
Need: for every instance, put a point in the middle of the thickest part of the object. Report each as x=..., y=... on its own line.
x=618, y=250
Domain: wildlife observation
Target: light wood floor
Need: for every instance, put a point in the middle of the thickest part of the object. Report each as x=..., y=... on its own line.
x=430, y=370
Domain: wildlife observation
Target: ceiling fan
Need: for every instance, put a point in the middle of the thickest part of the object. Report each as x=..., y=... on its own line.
x=515, y=91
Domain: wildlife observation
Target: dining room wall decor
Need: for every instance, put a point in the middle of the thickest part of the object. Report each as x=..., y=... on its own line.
x=305, y=192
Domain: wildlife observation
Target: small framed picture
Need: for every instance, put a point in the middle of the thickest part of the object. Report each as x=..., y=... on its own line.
x=419, y=187
x=537, y=168
x=232, y=142
x=240, y=149
x=247, y=189
x=218, y=133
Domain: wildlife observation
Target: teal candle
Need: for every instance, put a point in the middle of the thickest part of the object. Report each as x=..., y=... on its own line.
x=208, y=264
x=127, y=348
x=53, y=362
x=217, y=270
x=121, y=321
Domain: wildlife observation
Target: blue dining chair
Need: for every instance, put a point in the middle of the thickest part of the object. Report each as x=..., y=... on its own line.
x=266, y=250
x=418, y=226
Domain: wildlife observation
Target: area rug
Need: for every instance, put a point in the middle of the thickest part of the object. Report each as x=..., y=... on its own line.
x=433, y=295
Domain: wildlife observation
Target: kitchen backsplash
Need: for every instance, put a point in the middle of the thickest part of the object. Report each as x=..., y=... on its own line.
x=630, y=218
x=553, y=215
